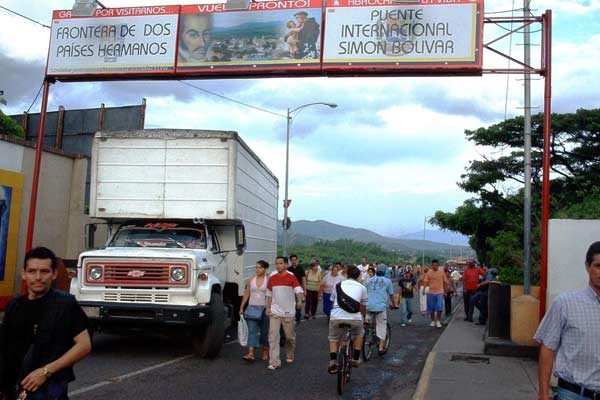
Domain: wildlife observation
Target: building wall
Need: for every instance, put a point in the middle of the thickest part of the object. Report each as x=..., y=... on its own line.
x=568, y=242
x=60, y=217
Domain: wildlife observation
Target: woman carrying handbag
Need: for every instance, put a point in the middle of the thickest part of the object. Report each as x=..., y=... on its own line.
x=258, y=322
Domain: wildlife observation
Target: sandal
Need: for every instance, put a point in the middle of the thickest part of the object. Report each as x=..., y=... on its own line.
x=289, y=360
x=332, y=369
x=248, y=358
x=265, y=355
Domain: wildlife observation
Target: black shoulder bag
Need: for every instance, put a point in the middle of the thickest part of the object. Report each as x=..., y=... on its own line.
x=346, y=302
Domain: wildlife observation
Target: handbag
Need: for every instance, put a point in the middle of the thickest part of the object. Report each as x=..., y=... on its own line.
x=242, y=332
x=254, y=313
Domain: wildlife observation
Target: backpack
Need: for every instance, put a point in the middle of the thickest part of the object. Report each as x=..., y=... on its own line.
x=346, y=302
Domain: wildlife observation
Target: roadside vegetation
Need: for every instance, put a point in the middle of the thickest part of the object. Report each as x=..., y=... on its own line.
x=9, y=127
x=493, y=217
x=348, y=251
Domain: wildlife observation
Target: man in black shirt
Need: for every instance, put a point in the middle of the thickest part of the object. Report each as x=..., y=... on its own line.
x=298, y=271
x=408, y=286
x=44, y=333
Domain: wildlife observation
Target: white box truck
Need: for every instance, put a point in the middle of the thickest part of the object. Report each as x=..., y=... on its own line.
x=189, y=212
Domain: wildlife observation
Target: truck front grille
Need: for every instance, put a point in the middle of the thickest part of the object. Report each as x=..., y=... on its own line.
x=117, y=297
x=136, y=274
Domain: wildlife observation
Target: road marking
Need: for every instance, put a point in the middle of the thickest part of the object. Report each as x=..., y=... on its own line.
x=120, y=378
x=129, y=375
x=423, y=384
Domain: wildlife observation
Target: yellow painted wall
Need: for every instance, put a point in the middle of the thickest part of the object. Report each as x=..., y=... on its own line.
x=14, y=180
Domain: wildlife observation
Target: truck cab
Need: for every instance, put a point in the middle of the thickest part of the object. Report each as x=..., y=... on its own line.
x=160, y=274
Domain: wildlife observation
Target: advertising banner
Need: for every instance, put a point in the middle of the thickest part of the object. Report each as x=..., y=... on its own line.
x=11, y=190
x=135, y=40
x=269, y=36
x=383, y=34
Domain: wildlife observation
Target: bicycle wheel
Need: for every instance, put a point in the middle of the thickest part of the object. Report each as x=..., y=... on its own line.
x=349, y=355
x=388, y=339
x=341, y=372
x=367, y=347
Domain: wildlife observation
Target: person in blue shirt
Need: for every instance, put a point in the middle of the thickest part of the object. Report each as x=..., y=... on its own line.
x=381, y=292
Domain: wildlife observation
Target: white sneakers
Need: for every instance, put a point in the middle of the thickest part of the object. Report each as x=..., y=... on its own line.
x=402, y=324
x=438, y=324
x=432, y=324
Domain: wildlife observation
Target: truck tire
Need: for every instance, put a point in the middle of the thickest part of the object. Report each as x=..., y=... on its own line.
x=208, y=339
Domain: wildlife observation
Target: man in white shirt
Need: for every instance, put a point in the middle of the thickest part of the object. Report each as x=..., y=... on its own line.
x=363, y=268
x=284, y=296
x=352, y=288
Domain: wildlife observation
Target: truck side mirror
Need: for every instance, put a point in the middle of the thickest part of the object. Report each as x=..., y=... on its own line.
x=90, y=236
x=240, y=239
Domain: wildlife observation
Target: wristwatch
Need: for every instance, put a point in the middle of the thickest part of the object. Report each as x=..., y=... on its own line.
x=47, y=373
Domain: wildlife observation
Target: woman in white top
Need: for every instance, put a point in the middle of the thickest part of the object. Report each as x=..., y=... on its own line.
x=328, y=286
x=422, y=292
x=258, y=322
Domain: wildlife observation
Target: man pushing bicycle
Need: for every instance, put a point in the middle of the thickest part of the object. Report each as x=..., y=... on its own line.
x=380, y=291
x=349, y=308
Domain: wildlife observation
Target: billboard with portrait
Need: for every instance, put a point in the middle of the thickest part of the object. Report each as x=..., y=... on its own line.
x=386, y=35
x=290, y=37
x=269, y=36
x=134, y=40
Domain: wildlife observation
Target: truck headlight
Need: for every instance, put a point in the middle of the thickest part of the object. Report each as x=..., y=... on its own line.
x=95, y=273
x=177, y=274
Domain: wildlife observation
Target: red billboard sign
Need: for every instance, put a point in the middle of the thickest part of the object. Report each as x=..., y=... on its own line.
x=287, y=37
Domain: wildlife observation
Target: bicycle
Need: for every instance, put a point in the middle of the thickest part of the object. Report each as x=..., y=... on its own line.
x=371, y=341
x=344, y=359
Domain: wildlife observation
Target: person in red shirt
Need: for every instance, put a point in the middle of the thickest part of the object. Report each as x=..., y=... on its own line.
x=470, y=280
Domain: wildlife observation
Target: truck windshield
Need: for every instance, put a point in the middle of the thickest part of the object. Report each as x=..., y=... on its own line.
x=182, y=238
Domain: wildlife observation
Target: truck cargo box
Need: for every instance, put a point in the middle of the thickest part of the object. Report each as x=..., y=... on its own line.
x=180, y=174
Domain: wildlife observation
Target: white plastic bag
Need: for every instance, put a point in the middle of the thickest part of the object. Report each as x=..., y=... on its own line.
x=243, y=331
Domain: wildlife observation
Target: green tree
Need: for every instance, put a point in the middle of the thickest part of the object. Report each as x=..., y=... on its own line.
x=493, y=216
x=9, y=127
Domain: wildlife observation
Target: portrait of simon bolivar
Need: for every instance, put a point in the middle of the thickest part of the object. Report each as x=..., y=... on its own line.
x=195, y=42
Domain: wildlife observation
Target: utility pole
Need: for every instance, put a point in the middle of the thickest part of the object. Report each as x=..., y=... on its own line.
x=423, y=255
x=527, y=156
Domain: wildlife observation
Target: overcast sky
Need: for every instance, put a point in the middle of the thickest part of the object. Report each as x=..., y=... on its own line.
x=388, y=156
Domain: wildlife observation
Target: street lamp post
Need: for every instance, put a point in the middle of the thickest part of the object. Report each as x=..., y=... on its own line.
x=286, y=202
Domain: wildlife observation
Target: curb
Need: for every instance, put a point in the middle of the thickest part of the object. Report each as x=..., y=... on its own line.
x=423, y=384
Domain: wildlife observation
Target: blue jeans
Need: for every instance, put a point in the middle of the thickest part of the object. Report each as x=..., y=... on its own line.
x=479, y=301
x=258, y=332
x=406, y=309
x=564, y=394
x=327, y=304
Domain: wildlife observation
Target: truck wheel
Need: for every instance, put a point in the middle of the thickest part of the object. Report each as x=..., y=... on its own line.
x=208, y=339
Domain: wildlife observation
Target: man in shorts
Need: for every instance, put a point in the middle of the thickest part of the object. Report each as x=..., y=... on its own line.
x=381, y=292
x=352, y=288
x=436, y=282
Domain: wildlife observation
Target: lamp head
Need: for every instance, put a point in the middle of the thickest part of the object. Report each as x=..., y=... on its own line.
x=84, y=8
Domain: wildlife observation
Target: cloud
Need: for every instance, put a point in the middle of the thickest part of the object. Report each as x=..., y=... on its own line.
x=20, y=81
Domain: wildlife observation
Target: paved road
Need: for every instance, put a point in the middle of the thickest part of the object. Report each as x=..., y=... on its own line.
x=152, y=367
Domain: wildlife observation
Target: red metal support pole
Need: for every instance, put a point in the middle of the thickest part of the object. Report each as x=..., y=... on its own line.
x=546, y=164
x=36, y=169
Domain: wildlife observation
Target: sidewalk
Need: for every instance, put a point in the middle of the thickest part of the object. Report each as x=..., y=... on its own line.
x=457, y=368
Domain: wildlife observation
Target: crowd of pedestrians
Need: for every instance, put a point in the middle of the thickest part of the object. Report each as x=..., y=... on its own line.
x=273, y=302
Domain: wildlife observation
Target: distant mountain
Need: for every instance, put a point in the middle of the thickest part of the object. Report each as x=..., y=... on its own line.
x=305, y=232
x=250, y=29
x=447, y=237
